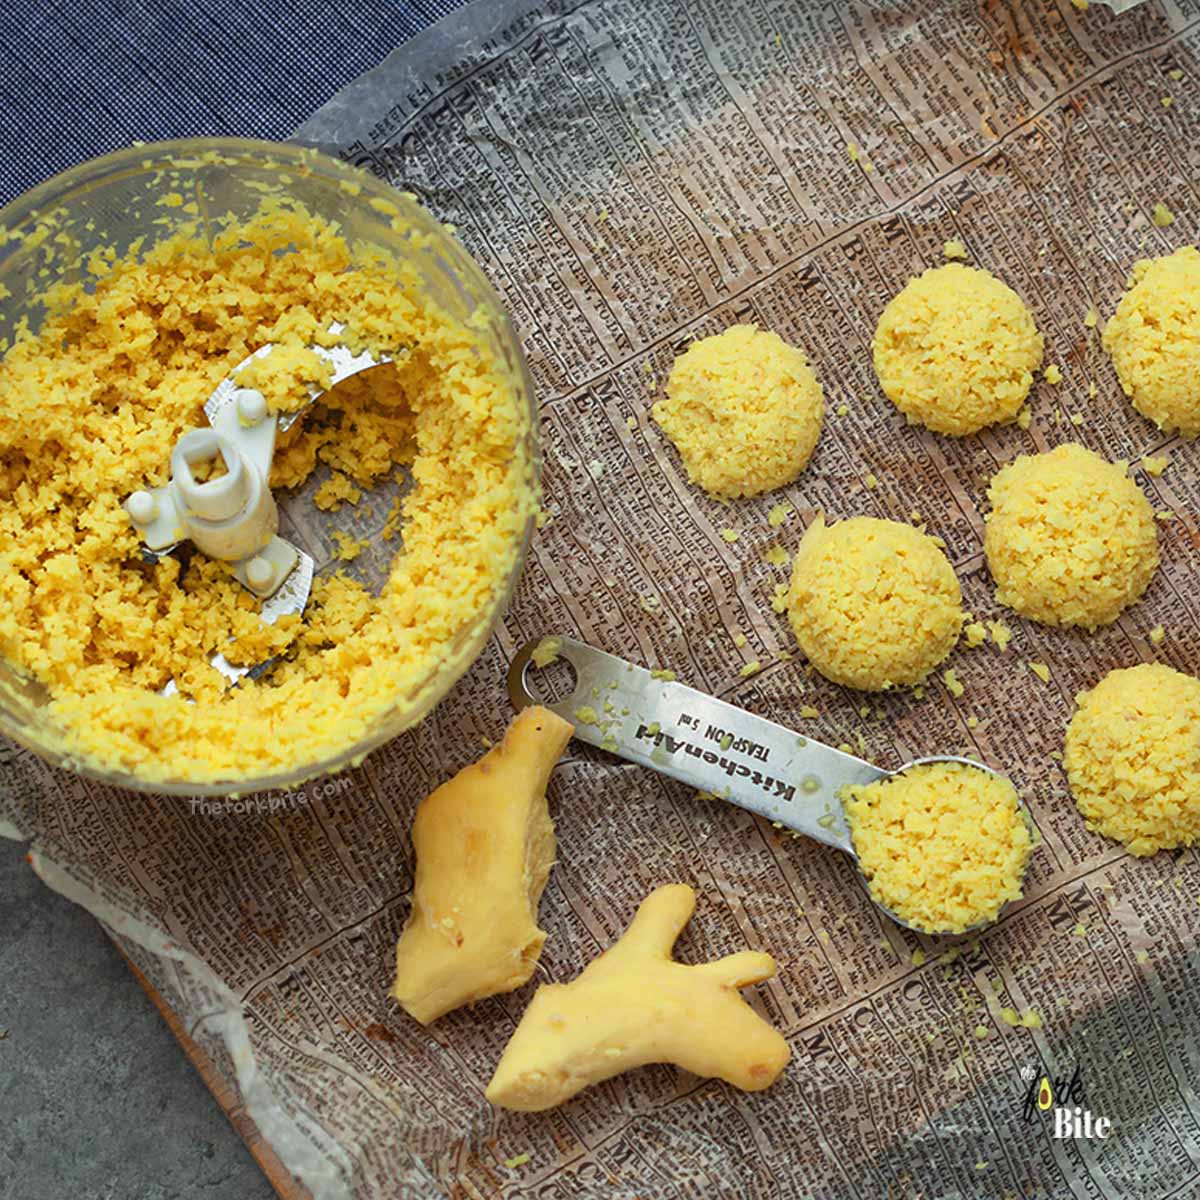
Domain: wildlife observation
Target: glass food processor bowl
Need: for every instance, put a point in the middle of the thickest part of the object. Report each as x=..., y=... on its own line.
x=45, y=236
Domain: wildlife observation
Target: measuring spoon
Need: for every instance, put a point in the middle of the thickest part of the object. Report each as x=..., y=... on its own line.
x=715, y=747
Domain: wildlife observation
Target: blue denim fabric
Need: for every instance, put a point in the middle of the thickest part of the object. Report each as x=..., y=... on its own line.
x=82, y=77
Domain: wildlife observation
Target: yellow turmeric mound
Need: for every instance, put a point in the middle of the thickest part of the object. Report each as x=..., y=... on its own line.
x=91, y=405
x=956, y=350
x=744, y=410
x=873, y=603
x=942, y=845
x=1071, y=539
x=1133, y=758
x=1154, y=340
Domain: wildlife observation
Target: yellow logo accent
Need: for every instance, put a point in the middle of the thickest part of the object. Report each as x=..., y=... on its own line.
x=1045, y=1097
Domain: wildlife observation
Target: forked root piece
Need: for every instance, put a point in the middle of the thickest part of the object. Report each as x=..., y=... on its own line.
x=485, y=845
x=635, y=1005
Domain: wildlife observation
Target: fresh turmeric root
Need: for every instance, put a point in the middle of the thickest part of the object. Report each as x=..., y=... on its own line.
x=485, y=845
x=635, y=1005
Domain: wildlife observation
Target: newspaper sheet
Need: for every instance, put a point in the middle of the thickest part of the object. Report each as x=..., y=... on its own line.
x=633, y=176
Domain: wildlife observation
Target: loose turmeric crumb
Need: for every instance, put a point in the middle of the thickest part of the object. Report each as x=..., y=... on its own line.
x=1001, y=634
x=1166, y=102
x=336, y=491
x=872, y=482
x=974, y=634
x=392, y=522
x=778, y=514
x=972, y=722
x=1040, y=670
x=918, y=958
x=1175, y=74
x=739, y=640
x=1053, y=374
x=777, y=556
x=954, y=249
x=1091, y=317
x=348, y=546
x=546, y=651
x=665, y=676
x=517, y=1160
x=1157, y=635
x=808, y=712
x=953, y=684
x=843, y=410
x=1156, y=465
x=1081, y=5
x=852, y=151
x=1162, y=216
x=1024, y=418
x=751, y=668
x=730, y=535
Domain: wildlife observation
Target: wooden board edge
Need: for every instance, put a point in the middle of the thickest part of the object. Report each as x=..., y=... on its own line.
x=279, y=1177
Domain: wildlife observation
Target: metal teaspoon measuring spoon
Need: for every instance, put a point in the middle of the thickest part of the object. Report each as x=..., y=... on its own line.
x=710, y=745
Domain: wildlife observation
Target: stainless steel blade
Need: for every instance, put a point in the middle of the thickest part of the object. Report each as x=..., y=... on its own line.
x=343, y=360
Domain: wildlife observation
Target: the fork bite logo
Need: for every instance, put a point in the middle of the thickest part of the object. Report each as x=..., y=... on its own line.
x=1064, y=1100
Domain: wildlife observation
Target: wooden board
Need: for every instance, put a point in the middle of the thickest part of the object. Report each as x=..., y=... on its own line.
x=280, y=1178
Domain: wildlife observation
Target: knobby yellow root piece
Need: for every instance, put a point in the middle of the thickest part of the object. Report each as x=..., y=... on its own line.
x=485, y=845
x=634, y=1005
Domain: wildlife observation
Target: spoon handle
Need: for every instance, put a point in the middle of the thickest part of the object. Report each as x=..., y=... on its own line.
x=695, y=738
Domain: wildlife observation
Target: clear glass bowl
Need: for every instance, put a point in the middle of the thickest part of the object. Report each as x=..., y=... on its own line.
x=97, y=203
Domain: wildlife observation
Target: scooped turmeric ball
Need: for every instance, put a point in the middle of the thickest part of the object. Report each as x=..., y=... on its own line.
x=942, y=845
x=744, y=410
x=1133, y=758
x=956, y=350
x=874, y=604
x=1154, y=340
x=1070, y=539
